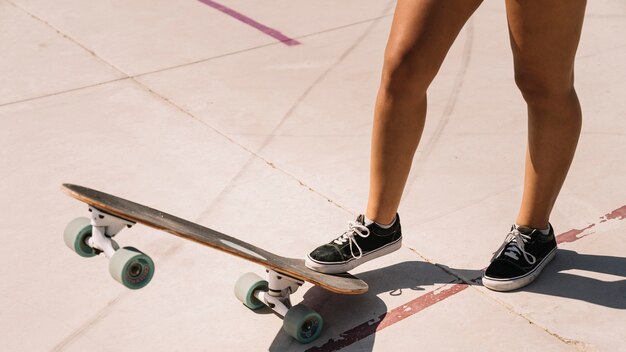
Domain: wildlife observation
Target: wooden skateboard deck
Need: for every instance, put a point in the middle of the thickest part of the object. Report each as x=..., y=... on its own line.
x=295, y=268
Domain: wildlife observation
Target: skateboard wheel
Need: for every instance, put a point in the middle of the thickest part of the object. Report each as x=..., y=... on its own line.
x=76, y=235
x=245, y=287
x=303, y=323
x=131, y=268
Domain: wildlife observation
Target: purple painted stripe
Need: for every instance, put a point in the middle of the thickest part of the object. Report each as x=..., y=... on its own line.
x=249, y=21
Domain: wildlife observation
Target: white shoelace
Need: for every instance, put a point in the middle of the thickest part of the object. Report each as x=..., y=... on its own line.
x=354, y=229
x=513, y=246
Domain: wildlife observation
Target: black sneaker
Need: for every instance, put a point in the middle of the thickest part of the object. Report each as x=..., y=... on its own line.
x=356, y=246
x=520, y=259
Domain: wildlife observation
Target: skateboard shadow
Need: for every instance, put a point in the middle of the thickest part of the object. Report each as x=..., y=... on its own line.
x=345, y=312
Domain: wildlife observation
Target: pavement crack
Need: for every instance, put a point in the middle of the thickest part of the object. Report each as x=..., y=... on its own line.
x=458, y=279
x=257, y=154
x=253, y=155
x=71, y=90
x=71, y=39
x=321, y=77
x=86, y=326
x=312, y=34
x=578, y=345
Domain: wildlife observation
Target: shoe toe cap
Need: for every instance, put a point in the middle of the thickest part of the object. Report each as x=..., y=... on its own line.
x=503, y=269
x=326, y=253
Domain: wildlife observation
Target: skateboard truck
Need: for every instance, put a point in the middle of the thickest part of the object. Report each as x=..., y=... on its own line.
x=299, y=321
x=91, y=236
x=104, y=227
x=280, y=287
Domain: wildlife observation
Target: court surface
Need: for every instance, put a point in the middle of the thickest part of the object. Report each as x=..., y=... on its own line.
x=254, y=118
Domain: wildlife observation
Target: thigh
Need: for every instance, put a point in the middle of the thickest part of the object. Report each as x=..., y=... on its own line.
x=544, y=37
x=423, y=31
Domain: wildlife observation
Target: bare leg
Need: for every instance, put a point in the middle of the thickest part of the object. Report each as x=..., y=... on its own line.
x=544, y=38
x=421, y=35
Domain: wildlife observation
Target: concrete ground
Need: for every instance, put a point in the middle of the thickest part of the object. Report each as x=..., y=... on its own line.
x=253, y=118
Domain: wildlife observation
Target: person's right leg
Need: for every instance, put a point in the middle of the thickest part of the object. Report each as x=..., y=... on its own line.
x=421, y=35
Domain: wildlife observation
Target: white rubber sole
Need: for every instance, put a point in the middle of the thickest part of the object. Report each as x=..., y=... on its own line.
x=511, y=284
x=337, y=268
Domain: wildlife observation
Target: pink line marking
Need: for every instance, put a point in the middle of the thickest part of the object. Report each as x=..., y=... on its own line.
x=249, y=21
x=573, y=235
x=619, y=214
x=420, y=303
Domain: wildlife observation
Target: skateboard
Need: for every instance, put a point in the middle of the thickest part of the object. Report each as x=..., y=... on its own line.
x=134, y=269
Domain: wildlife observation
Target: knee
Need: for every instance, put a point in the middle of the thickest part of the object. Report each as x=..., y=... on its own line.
x=539, y=87
x=405, y=73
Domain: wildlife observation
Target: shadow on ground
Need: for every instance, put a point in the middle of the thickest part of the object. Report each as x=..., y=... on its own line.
x=343, y=312
x=554, y=281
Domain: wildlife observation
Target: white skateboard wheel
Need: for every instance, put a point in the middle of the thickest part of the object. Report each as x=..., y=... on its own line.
x=245, y=287
x=76, y=235
x=131, y=268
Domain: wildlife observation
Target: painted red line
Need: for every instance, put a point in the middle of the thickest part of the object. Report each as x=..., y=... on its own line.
x=572, y=235
x=619, y=214
x=389, y=318
x=575, y=234
x=420, y=303
x=249, y=21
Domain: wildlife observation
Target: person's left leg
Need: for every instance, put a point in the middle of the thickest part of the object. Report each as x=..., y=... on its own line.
x=544, y=38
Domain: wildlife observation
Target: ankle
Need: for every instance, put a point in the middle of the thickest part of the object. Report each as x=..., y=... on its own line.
x=385, y=226
x=528, y=229
x=382, y=220
x=538, y=224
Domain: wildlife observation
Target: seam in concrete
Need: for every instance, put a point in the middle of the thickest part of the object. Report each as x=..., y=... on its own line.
x=63, y=92
x=127, y=76
x=80, y=45
x=272, y=134
x=252, y=153
x=170, y=102
x=104, y=312
x=86, y=326
x=83, y=328
x=313, y=34
x=320, y=78
x=579, y=345
x=568, y=236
